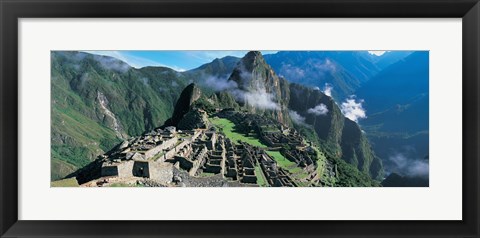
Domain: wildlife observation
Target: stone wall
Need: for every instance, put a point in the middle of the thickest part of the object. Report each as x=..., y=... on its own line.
x=157, y=149
x=161, y=172
x=125, y=169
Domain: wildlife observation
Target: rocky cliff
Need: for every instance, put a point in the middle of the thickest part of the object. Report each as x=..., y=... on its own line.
x=259, y=90
x=184, y=103
x=339, y=136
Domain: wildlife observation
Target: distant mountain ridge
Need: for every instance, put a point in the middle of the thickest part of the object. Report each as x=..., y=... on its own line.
x=397, y=102
x=345, y=71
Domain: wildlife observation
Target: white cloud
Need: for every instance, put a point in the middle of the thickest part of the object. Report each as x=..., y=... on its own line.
x=146, y=81
x=112, y=63
x=218, y=84
x=418, y=168
x=296, y=118
x=327, y=89
x=377, y=52
x=257, y=95
x=352, y=109
x=324, y=66
x=174, y=84
x=410, y=167
x=292, y=72
x=319, y=110
x=260, y=99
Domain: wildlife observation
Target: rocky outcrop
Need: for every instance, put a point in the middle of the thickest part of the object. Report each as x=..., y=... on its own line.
x=184, y=103
x=194, y=119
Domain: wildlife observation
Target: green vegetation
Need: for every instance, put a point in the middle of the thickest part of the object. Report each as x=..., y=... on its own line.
x=281, y=160
x=228, y=128
x=85, y=87
x=349, y=176
x=140, y=100
x=70, y=182
x=121, y=185
x=206, y=174
x=62, y=167
x=308, y=132
x=260, y=177
x=205, y=104
x=158, y=156
x=288, y=165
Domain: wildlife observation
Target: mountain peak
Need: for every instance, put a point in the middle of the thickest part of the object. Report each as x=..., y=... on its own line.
x=253, y=54
x=251, y=60
x=189, y=95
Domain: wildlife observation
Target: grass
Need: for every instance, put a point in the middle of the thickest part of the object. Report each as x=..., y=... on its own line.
x=157, y=156
x=286, y=164
x=281, y=160
x=205, y=175
x=60, y=167
x=78, y=130
x=228, y=128
x=321, y=161
x=260, y=178
x=70, y=182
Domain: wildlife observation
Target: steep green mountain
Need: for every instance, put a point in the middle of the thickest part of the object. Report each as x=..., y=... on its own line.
x=98, y=101
x=258, y=89
x=220, y=68
x=339, y=136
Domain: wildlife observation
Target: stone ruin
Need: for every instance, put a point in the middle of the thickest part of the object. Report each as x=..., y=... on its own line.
x=204, y=157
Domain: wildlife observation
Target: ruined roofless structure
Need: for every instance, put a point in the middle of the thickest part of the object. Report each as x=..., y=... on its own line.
x=205, y=157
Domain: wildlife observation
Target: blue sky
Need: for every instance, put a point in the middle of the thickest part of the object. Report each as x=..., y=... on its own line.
x=177, y=60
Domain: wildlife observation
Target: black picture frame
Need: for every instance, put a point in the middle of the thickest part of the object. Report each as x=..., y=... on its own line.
x=12, y=10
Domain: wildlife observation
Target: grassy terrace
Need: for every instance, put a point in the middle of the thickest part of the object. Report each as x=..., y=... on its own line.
x=157, y=156
x=206, y=175
x=70, y=182
x=281, y=160
x=288, y=165
x=260, y=178
x=228, y=128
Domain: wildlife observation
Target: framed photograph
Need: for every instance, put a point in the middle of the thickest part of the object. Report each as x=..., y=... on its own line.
x=239, y=118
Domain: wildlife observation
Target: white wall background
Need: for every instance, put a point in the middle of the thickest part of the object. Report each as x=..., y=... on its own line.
x=441, y=201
